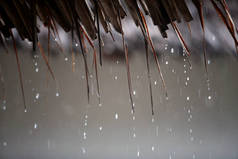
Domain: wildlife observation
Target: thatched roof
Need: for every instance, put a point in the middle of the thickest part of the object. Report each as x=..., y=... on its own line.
x=83, y=18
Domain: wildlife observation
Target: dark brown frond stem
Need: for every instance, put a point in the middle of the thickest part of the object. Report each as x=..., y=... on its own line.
x=79, y=34
x=149, y=76
x=19, y=69
x=46, y=60
x=223, y=18
x=201, y=16
x=154, y=53
x=189, y=28
x=98, y=30
x=180, y=37
x=94, y=61
x=3, y=44
x=127, y=63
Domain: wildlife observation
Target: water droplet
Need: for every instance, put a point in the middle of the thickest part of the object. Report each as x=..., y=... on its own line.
x=184, y=65
x=184, y=71
x=25, y=111
x=213, y=38
x=190, y=131
x=191, y=138
x=153, y=120
x=84, y=135
x=85, y=124
x=4, y=143
x=167, y=98
x=37, y=95
x=208, y=62
x=35, y=63
x=37, y=69
x=134, y=135
x=86, y=116
x=194, y=156
x=155, y=82
x=187, y=78
x=152, y=148
x=115, y=77
x=4, y=107
x=116, y=116
x=173, y=70
x=35, y=126
x=83, y=150
x=172, y=50
x=166, y=62
x=100, y=128
x=134, y=92
x=100, y=104
x=209, y=97
x=138, y=153
x=66, y=59
x=188, y=98
x=76, y=44
x=186, y=83
x=189, y=111
x=133, y=118
x=57, y=94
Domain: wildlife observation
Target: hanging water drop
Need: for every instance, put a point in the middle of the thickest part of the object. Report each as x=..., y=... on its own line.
x=37, y=69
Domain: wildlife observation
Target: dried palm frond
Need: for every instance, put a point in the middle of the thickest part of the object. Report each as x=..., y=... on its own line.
x=84, y=18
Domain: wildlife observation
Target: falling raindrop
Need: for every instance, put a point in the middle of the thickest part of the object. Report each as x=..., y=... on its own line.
x=57, y=94
x=35, y=126
x=37, y=69
x=4, y=144
x=4, y=107
x=116, y=116
x=208, y=62
x=134, y=135
x=84, y=135
x=115, y=77
x=152, y=148
x=100, y=128
x=37, y=96
x=188, y=98
x=138, y=153
x=172, y=50
x=133, y=118
x=83, y=150
x=134, y=92
x=209, y=97
x=194, y=156
x=166, y=62
x=155, y=82
x=76, y=44
x=66, y=59
x=187, y=78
